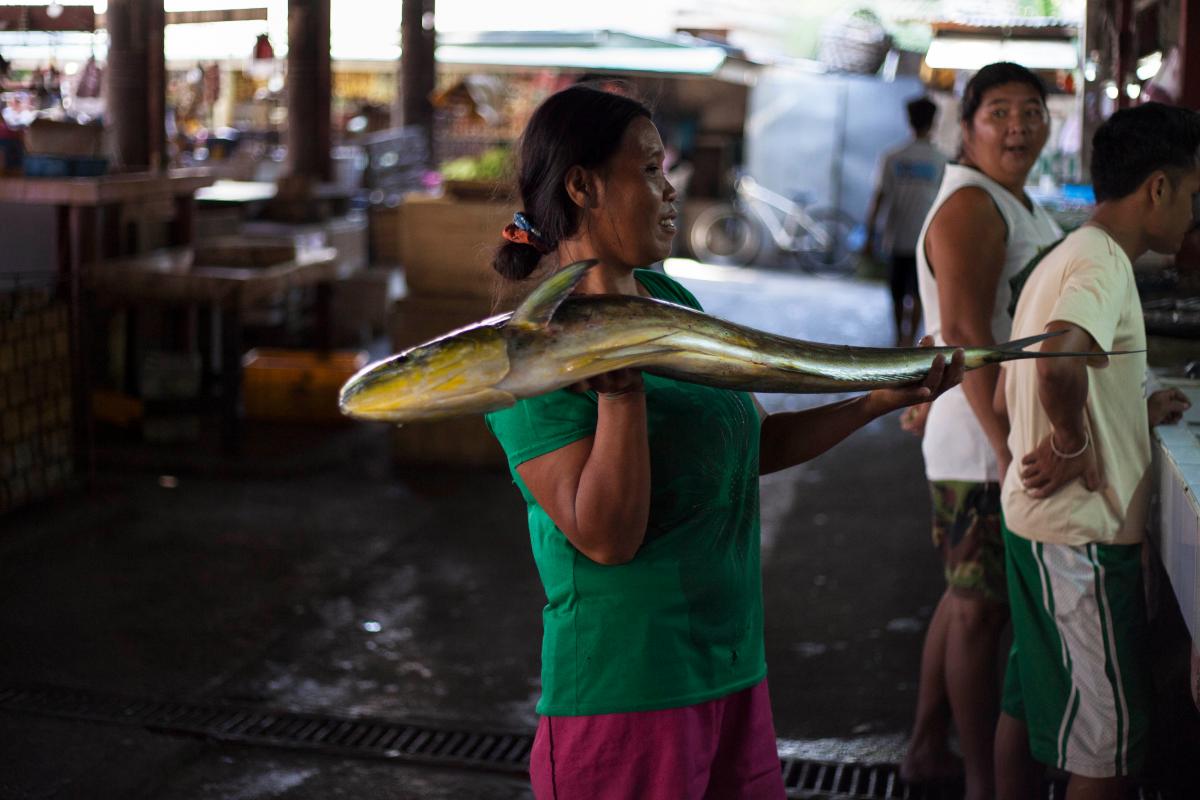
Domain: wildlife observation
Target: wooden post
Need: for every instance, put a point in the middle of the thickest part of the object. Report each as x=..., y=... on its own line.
x=1126, y=58
x=417, y=68
x=156, y=86
x=137, y=83
x=309, y=90
x=1189, y=50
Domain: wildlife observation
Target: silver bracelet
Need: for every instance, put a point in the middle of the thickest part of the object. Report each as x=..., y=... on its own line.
x=1087, y=439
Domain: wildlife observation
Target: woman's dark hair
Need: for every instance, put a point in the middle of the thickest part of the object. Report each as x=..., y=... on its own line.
x=580, y=126
x=1134, y=142
x=990, y=77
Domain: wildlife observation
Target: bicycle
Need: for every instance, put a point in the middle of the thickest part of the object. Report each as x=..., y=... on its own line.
x=732, y=233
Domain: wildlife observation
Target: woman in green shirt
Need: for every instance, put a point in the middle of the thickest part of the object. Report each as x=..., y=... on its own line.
x=642, y=495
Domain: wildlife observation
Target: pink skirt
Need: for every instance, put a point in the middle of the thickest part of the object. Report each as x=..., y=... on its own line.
x=716, y=750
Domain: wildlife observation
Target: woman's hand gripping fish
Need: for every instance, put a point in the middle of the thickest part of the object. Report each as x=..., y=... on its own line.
x=554, y=339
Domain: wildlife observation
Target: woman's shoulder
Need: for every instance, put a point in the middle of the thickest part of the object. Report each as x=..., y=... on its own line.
x=537, y=425
x=664, y=287
x=971, y=208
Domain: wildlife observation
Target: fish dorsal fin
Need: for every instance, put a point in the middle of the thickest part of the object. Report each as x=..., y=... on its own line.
x=538, y=308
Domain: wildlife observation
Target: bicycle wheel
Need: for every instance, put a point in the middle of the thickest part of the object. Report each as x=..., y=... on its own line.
x=833, y=253
x=724, y=235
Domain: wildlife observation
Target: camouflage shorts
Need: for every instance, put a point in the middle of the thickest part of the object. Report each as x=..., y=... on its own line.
x=966, y=529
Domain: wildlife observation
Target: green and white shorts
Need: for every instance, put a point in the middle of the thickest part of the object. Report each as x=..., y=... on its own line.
x=1076, y=673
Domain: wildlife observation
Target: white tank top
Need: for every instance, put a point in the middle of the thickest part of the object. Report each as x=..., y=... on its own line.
x=955, y=446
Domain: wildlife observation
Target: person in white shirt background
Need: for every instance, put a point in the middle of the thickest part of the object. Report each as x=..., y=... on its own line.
x=908, y=182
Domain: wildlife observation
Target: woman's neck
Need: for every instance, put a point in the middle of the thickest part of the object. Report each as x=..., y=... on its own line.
x=1016, y=189
x=604, y=278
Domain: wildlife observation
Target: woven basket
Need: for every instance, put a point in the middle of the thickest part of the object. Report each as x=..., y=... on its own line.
x=855, y=42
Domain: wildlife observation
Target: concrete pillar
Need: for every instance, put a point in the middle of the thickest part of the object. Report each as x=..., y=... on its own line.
x=137, y=83
x=309, y=90
x=417, y=69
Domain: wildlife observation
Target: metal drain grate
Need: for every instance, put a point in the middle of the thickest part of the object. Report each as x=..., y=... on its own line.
x=827, y=780
x=364, y=737
x=359, y=737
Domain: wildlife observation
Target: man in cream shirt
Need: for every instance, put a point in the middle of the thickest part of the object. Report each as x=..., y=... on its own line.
x=1074, y=500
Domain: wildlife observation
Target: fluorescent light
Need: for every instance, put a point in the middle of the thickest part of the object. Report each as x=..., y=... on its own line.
x=969, y=53
x=1133, y=90
x=1112, y=91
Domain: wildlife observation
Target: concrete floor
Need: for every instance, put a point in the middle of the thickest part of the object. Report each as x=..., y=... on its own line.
x=311, y=574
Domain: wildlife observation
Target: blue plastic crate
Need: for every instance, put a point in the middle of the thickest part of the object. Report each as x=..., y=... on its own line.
x=39, y=166
x=87, y=167
x=13, y=152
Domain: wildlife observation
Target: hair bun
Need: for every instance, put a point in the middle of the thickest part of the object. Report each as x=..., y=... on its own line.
x=516, y=261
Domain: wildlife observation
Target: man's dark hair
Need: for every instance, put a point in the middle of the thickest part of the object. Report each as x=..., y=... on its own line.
x=990, y=77
x=921, y=113
x=1135, y=142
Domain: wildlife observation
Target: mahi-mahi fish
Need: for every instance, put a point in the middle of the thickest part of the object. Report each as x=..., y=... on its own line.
x=554, y=339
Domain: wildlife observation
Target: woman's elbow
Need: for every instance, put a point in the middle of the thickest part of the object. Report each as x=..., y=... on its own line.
x=612, y=555
x=611, y=558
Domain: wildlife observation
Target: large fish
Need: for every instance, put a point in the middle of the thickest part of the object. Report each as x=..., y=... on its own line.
x=553, y=340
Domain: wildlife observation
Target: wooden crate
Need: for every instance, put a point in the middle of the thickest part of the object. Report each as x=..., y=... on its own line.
x=386, y=236
x=448, y=245
x=51, y=137
x=465, y=441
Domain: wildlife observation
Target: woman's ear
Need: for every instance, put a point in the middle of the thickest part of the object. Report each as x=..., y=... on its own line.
x=580, y=185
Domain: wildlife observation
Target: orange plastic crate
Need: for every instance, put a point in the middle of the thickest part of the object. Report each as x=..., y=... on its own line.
x=297, y=385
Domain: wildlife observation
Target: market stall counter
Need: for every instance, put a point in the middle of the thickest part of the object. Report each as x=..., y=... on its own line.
x=89, y=213
x=1177, y=533
x=181, y=277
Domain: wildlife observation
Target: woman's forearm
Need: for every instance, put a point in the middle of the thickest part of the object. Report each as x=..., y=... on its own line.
x=791, y=438
x=612, y=502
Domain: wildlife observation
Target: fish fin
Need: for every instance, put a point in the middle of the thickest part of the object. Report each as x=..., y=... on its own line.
x=538, y=308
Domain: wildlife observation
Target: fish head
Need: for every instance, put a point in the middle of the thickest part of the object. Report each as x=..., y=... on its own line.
x=452, y=376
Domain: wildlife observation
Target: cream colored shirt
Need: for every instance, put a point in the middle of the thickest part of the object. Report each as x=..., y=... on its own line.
x=1087, y=280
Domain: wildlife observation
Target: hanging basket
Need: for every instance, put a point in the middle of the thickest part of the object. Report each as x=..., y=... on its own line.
x=855, y=42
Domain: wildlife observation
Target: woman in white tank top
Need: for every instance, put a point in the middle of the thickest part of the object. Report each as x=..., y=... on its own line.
x=981, y=230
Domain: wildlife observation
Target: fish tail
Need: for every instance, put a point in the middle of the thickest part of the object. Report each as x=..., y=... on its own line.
x=1016, y=349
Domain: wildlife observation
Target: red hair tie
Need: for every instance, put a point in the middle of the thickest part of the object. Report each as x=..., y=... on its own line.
x=521, y=231
x=514, y=234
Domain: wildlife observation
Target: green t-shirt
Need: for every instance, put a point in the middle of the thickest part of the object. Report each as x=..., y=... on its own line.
x=682, y=622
